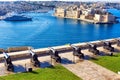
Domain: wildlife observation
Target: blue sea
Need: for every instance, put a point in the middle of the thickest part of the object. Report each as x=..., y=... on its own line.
x=46, y=30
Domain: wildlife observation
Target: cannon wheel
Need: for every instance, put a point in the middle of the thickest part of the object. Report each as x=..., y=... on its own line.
x=81, y=56
x=35, y=63
x=9, y=67
x=96, y=52
x=12, y=67
x=58, y=59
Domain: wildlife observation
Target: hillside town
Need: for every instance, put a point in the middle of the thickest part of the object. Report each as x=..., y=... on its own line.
x=25, y=6
x=95, y=12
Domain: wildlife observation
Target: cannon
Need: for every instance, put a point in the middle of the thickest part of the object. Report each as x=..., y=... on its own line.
x=8, y=62
x=77, y=52
x=107, y=45
x=118, y=42
x=54, y=55
x=93, y=49
x=34, y=59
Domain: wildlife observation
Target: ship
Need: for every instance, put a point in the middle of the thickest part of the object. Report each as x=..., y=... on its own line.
x=17, y=17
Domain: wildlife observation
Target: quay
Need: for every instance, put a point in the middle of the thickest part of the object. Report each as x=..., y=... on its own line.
x=88, y=20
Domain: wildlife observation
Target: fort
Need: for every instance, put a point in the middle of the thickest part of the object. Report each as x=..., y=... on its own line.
x=85, y=14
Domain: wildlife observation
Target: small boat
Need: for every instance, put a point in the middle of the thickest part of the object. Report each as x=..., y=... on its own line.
x=17, y=17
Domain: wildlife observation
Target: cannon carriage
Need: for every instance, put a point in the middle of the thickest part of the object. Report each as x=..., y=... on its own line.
x=54, y=55
x=77, y=52
x=8, y=62
x=34, y=59
x=107, y=46
x=93, y=49
x=118, y=42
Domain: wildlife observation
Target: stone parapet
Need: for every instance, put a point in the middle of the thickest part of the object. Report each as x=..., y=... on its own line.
x=63, y=48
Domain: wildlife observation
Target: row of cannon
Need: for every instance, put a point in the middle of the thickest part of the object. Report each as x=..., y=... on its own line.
x=34, y=59
x=9, y=65
x=54, y=54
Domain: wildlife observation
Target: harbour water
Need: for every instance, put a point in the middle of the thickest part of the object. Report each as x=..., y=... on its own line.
x=46, y=30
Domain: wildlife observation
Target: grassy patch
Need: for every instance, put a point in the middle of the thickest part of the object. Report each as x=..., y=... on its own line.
x=110, y=62
x=51, y=73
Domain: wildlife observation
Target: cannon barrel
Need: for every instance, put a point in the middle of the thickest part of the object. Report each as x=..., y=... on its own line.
x=34, y=59
x=76, y=48
x=31, y=52
x=53, y=50
x=107, y=43
x=8, y=62
x=91, y=45
x=5, y=55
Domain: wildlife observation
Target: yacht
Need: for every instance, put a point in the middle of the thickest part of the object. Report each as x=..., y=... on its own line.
x=16, y=17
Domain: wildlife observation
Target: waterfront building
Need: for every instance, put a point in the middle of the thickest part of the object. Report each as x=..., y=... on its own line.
x=82, y=16
x=60, y=12
x=72, y=13
x=106, y=18
x=96, y=15
x=110, y=18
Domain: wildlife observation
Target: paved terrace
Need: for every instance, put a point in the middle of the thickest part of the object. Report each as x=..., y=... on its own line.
x=85, y=69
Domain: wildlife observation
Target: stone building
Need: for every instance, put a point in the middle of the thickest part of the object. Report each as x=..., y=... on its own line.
x=108, y=18
x=90, y=15
x=72, y=13
x=60, y=12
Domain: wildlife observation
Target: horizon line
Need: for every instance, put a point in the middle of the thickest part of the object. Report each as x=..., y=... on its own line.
x=66, y=0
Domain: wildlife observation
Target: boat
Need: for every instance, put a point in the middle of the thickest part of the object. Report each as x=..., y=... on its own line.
x=17, y=17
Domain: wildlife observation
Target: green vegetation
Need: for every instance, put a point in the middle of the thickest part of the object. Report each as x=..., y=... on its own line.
x=51, y=73
x=110, y=62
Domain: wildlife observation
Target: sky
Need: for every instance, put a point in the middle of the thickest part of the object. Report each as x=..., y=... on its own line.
x=67, y=0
